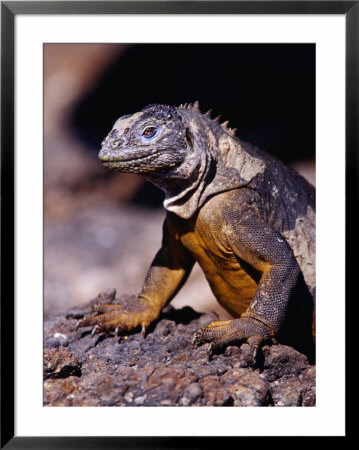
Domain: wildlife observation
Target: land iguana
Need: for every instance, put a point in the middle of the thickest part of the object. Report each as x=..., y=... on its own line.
x=246, y=218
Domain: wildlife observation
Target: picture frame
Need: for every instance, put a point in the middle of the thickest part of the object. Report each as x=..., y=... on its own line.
x=9, y=11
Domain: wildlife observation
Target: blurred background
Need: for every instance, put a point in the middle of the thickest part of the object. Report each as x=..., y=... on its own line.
x=102, y=229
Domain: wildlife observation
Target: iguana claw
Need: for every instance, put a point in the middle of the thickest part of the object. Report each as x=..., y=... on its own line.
x=95, y=329
x=143, y=331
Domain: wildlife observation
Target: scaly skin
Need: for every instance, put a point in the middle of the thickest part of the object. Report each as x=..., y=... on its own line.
x=248, y=221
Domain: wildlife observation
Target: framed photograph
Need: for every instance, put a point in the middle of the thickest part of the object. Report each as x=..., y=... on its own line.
x=77, y=74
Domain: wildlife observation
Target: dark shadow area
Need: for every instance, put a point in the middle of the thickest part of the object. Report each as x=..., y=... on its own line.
x=297, y=328
x=266, y=90
x=184, y=315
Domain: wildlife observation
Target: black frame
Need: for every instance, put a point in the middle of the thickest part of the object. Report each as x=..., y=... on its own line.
x=9, y=9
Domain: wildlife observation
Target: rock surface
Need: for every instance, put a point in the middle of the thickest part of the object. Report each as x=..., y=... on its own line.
x=163, y=370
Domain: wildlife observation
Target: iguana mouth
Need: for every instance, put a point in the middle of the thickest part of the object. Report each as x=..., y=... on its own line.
x=108, y=160
x=123, y=163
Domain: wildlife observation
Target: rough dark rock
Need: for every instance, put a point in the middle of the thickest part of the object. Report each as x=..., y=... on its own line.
x=163, y=370
x=60, y=363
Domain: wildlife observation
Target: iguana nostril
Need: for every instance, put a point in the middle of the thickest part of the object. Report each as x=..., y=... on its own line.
x=117, y=143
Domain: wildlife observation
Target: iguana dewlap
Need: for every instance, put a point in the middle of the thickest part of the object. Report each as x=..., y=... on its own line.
x=248, y=220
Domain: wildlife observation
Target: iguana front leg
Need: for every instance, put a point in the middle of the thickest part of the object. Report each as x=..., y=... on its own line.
x=262, y=247
x=168, y=271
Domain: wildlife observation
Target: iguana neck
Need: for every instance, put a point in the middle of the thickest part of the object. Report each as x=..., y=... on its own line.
x=217, y=164
x=185, y=185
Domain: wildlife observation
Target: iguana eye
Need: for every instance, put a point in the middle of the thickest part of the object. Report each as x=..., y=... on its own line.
x=150, y=132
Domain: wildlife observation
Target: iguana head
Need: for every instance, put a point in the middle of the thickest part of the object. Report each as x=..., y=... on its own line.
x=184, y=152
x=148, y=142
